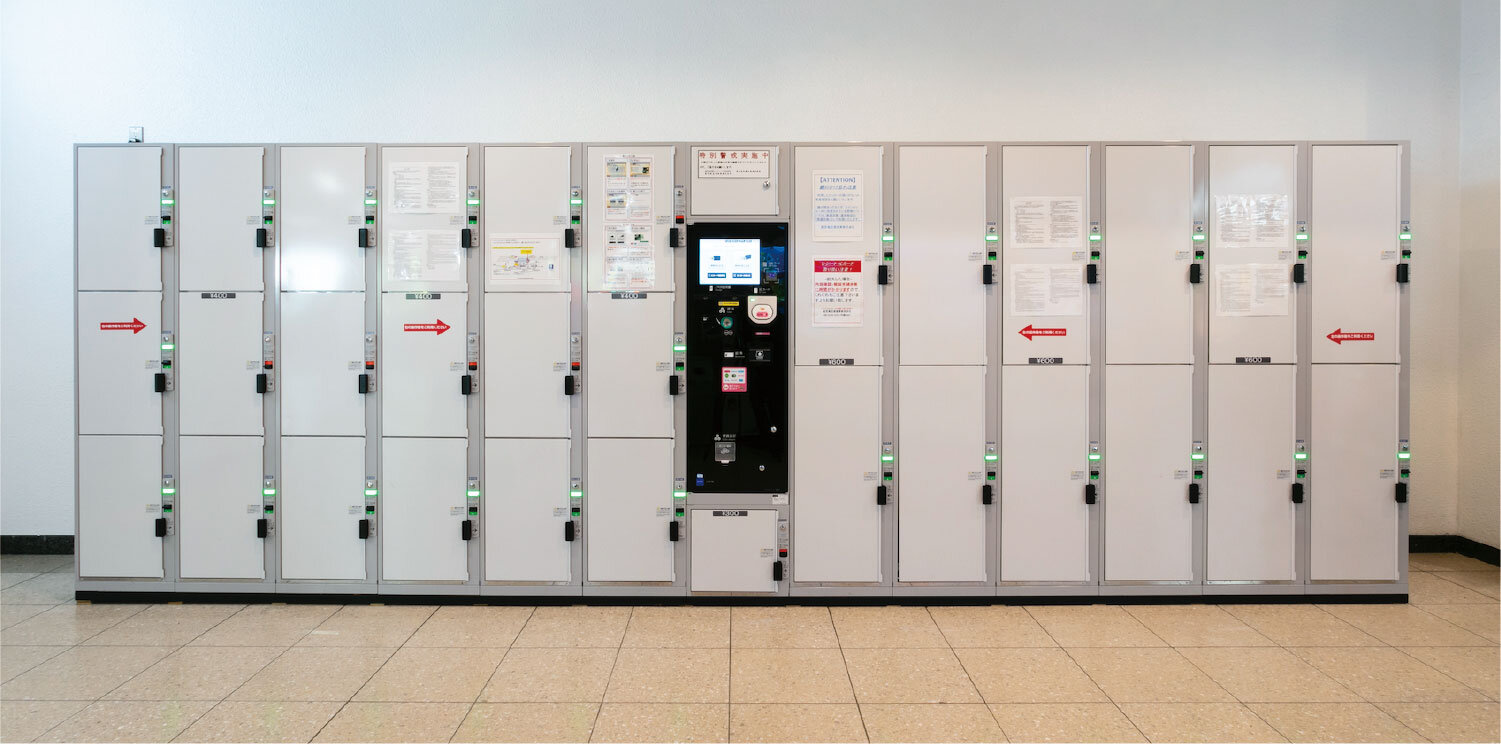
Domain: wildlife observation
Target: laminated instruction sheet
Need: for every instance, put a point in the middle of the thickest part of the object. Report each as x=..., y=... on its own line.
x=424, y=256
x=1252, y=221
x=1251, y=289
x=838, y=205
x=836, y=298
x=630, y=259
x=1047, y=222
x=530, y=258
x=426, y=188
x=1046, y=289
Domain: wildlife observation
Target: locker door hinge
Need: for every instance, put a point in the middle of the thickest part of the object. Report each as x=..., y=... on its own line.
x=880, y=495
x=161, y=382
x=1300, y=273
x=466, y=529
x=568, y=531
x=260, y=237
x=673, y=385
x=1090, y=496
x=776, y=570
x=987, y=494
x=260, y=383
x=1193, y=493
x=987, y=274
x=466, y=238
x=883, y=274
x=161, y=526
x=1401, y=493
x=1092, y=274
x=364, y=238
x=364, y=385
x=568, y=385
x=262, y=527
x=159, y=237
x=1297, y=493
x=1195, y=273
x=570, y=237
x=466, y=385
x=364, y=529
x=1402, y=273
x=672, y=531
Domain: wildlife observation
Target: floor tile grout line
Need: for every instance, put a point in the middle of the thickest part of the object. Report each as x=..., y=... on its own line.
x=352, y=695
x=972, y=682
x=611, y=676
x=859, y=711
x=493, y=672
x=1101, y=688
x=1403, y=650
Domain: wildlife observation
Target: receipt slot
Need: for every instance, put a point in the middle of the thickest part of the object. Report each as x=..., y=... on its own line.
x=737, y=357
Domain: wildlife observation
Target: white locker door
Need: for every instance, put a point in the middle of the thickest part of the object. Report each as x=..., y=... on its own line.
x=322, y=502
x=526, y=355
x=218, y=212
x=1148, y=439
x=118, y=210
x=218, y=505
x=724, y=183
x=629, y=205
x=628, y=503
x=422, y=509
x=940, y=473
x=1045, y=242
x=1252, y=247
x=1044, y=468
x=628, y=358
x=1250, y=473
x=422, y=205
x=836, y=425
x=119, y=356
x=1356, y=213
x=321, y=359
x=322, y=209
x=422, y=353
x=1149, y=198
x=1352, y=502
x=526, y=209
x=119, y=501
x=526, y=506
x=837, y=230
x=733, y=550
x=218, y=358
x=941, y=249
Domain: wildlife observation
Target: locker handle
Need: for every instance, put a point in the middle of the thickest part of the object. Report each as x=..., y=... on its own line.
x=1092, y=274
x=466, y=238
x=987, y=274
x=159, y=237
x=1401, y=493
x=776, y=570
x=262, y=527
x=1297, y=493
x=568, y=385
x=1300, y=273
x=466, y=385
x=880, y=495
x=161, y=382
x=1402, y=273
x=260, y=383
x=568, y=529
x=364, y=529
x=1090, y=496
x=261, y=237
x=1193, y=493
x=364, y=383
x=364, y=237
x=466, y=529
x=987, y=494
x=672, y=531
x=672, y=237
x=673, y=385
x=161, y=526
x=1195, y=273
x=570, y=237
x=883, y=274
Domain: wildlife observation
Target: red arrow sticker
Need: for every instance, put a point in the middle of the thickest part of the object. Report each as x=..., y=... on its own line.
x=1339, y=336
x=438, y=327
x=134, y=326
x=1029, y=332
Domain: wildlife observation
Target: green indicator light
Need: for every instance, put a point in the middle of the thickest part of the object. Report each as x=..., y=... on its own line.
x=369, y=202
x=473, y=202
x=168, y=347
x=679, y=347
x=1094, y=476
x=888, y=257
x=168, y=491
x=575, y=494
x=680, y=494
x=1404, y=455
x=268, y=492
x=1198, y=476
x=992, y=458
x=992, y=237
x=371, y=492
x=888, y=458
x=472, y=493
x=1300, y=455
x=1199, y=236
x=1196, y=456
x=1302, y=474
x=887, y=238
x=1301, y=236
x=1405, y=236
x=168, y=202
x=575, y=201
x=1094, y=456
x=268, y=202
x=1094, y=238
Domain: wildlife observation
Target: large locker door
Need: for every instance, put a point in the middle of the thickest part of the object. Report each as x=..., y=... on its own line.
x=119, y=501
x=322, y=210
x=218, y=212
x=629, y=208
x=1252, y=247
x=1250, y=468
x=526, y=506
x=119, y=356
x=837, y=231
x=1356, y=213
x=1045, y=215
x=527, y=190
x=628, y=350
x=218, y=358
x=1148, y=439
x=322, y=502
x=1352, y=503
x=218, y=505
x=118, y=210
x=836, y=425
x=628, y=503
x=423, y=203
x=1044, y=468
x=423, y=502
x=733, y=550
x=526, y=358
x=422, y=354
x=940, y=474
x=1149, y=198
x=322, y=358
x=941, y=213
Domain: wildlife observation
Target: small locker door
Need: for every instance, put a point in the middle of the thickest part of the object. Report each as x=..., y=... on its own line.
x=1044, y=215
x=526, y=355
x=527, y=190
x=738, y=182
x=322, y=502
x=423, y=203
x=118, y=209
x=1044, y=468
x=119, y=356
x=218, y=359
x=837, y=231
x=1356, y=213
x=940, y=474
x=119, y=501
x=218, y=505
x=422, y=355
x=628, y=503
x=526, y=507
x=218, y=212
x=423, y=484
x=322, y=358
x=628, y=350
x=941, y=213
x=1352, y=502
x=322, y=210
x=1252, y=247
x=1148, y=439
x=733, y=550
x=630, y=209
x=1250, y=473
x=1149, y=198
x=837, y=448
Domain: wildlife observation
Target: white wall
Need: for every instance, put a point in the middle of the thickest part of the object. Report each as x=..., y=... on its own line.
x=339, y=70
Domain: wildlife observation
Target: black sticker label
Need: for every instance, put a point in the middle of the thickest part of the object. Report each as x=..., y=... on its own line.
x=736, y=513
x=424, y=296
x=627, y=295
x=217, y=295
x=835, y=362
x=1044, y=360
x=1253, y=360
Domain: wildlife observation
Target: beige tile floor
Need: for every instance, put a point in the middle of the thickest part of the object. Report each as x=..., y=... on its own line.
x=1420, y=672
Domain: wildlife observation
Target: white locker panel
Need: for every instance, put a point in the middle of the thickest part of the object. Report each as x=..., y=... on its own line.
x=422, y=509
x=940, y=455
x=423, y=205
x=1044, y=468
x=218, y=504
x=733, y=550
x=1252, y=435
x=321, y=358
x=118, y=207
x=422, y=360
x=628, y=503
x=836, y=425
x=526, y=357
x=119, y=355
x=1253, y=198
x=322, y=209
x=1352, y=503
x=526, y=486
x=119, y=501
x=526, y=204
x=1148, y=439
x=941, y=249
x=1045, y=249
x=628, y=358
x=735, y=180
x=218, y=212
x=837, y=204
x=218, y=357
x=1149, y=198
x=1356, y=195
x=322, y=500
x=629, y=211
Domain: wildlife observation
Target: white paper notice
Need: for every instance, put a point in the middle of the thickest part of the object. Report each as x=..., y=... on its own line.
x=426, y=188
x=1251, y=221
x=1047, y=222
x=734, y=163
x=530, y=258
x=424, y=256
x=628, y=189
x=836, y=298
x=1047, y=289
x=630, y=261
x=838, y=205
x=1251, y=289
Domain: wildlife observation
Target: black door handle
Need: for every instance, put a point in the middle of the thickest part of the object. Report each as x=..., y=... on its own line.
x=672, y=531
x=1402, y=273
x=1090, y=496
x=161, y=382
x=987, y=494
x=262, y=527
x=570, y=237
x=466, y=529
x=1193, y=493
x=260, y=383
x=364, y=529
x=568, y=385
x=1195, y=273
x=987, y=274
x=466, y=384
x=568, y=529
x=364, y=383
x=466, y=238
x=883, y=274
x=364, y=237
x=880, y=495
x=672, y=237
x=1401, y=493
x=1297, y=493
x=1091, y=273
x=159, y=237
x=673, y=385
x=161, y=526
x=260, y=237
x=1300, y=273
x=776, y=570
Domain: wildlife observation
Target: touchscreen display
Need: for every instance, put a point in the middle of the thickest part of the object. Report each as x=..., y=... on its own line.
x=729, y=261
